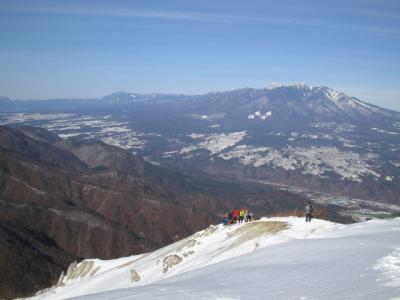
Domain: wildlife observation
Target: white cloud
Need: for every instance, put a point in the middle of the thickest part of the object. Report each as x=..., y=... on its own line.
x=131, y=12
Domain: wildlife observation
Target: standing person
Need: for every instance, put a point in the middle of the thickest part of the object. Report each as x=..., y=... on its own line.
x=309, y=210
x=225, y=220
x=230, y=217
x=235, y=215
x=241, y=215
x=249, y=216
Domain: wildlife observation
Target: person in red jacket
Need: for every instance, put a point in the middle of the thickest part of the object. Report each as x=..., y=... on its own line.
x=235, y=215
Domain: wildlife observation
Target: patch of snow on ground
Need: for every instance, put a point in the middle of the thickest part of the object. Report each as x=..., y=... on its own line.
x=259, y=156
x=211, y=117
x=72, y=127
x=390, y=268
x=260, y=115
x=188, y=149
x=341, y=128
x=115, y=129
x=17, y=118
x=99, y=127
x=69, y=135
x=384, y=131
x=171, y=152
x=310, y=136
x=126, y=140
x=315, y=160
x=215, y=143
x=323, y=125
x=197, y=135
x=395, y=163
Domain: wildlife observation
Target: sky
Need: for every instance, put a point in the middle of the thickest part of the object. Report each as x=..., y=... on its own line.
x=87, y=49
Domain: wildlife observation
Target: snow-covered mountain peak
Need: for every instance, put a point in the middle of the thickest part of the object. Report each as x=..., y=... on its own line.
x=325, y=100
x=350, y=104
x=273, y=85
x=332, y=94
x=300, y=85
x=297, y=85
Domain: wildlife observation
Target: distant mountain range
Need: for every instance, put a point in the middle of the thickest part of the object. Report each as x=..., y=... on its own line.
x=312, y=138
x=294, y=100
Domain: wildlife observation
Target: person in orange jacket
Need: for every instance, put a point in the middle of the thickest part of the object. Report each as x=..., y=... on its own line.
x=235, y=215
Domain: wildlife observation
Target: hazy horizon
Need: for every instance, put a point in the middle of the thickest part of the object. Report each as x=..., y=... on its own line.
x=89, y=49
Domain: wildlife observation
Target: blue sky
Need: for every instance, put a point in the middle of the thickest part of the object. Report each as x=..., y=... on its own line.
x=93, y=48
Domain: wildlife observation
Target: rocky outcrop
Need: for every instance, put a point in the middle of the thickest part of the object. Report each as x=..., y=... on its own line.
x=170, y=261
x=135, y=276
x=74, y=270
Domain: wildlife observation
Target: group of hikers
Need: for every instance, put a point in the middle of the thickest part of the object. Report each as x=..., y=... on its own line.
x=240, y=215
x=237, y=216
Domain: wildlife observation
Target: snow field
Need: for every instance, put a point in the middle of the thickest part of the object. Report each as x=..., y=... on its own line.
x=215, y=143
x=314, y=160
x=317, y=261
x=212, y=245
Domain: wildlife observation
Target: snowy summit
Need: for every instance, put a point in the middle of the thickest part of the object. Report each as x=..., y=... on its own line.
x=278, y=258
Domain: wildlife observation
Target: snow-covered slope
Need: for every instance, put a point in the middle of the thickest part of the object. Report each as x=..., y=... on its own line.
x=286, y=259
